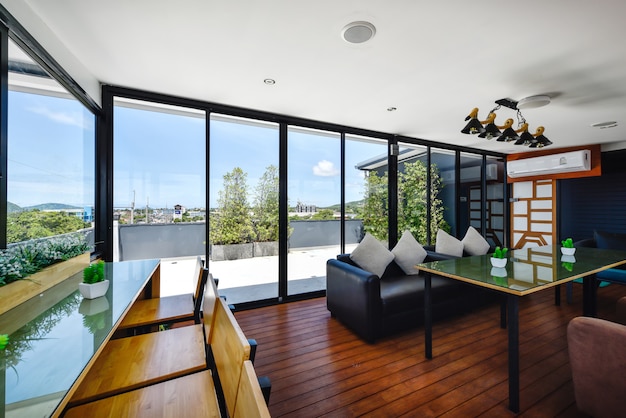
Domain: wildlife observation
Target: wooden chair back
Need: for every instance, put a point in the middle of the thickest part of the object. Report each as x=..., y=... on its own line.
x=199, y=298
x=250, y=402
x=209, y=306
x=197, y=294
x=230, y=349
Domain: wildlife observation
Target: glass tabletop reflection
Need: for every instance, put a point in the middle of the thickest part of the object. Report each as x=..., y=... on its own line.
x=527, y=270
x=54, y=335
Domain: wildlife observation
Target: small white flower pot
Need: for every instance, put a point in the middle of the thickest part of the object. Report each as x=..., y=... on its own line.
x=498, y=262
x=568, y=251
x=92, y=291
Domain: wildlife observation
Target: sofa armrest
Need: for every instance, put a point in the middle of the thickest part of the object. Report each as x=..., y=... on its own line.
x=589, y=243
x=596, y=351
x=353, y=295
x=435, y=256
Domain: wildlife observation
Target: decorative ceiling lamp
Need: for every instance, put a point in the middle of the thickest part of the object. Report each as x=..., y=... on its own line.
x=489, y=130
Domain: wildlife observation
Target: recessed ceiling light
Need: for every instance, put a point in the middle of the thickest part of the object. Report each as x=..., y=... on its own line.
x=269, y=81
x=392, y=109
x=602, y=125
x=358, y=32
x=533, y=101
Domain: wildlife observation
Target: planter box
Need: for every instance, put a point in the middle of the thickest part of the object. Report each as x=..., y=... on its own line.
x=265, y=249
x=20, y=291
x=231, y=252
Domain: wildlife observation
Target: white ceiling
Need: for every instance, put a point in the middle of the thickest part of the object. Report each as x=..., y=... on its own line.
x=432, y=60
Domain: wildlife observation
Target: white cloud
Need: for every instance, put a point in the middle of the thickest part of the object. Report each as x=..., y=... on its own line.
x=73, y=119
x=325, y=169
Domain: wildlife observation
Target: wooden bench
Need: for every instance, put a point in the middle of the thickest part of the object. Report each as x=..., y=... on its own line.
x=214, y=392
x=134, y=362
x=148, y=313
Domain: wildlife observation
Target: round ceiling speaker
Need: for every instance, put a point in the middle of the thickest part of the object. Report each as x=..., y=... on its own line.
x=358, y=32
x=533, y=101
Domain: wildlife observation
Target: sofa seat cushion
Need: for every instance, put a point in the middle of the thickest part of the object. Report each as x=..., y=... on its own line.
x=614, y=275
x=404, y=293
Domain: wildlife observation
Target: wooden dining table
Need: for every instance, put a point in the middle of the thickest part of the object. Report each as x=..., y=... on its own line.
x=55, y=337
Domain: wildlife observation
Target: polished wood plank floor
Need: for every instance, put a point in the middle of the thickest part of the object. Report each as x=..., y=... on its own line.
x=320, y=368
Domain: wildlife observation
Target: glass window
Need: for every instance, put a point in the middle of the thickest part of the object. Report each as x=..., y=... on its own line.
x=159, y=188
x=244, y=180
x=365, y=189
x=51, y=139
x=314, y=194
x=444, y=194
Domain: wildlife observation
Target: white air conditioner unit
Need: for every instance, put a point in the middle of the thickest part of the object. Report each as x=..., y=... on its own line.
x=566, y=162
x=471, y=174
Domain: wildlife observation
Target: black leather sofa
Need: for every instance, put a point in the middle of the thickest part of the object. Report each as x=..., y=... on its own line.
x=375, y=307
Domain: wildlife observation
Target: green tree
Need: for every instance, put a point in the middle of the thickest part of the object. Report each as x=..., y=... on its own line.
x=265, y=207
x=412, y=203
x=232, y=223
x=375, y=211
x=323, y=214
x=27, y=225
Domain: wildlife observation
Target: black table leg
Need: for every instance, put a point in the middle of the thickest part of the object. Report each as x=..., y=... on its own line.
x=557, y=295
x=428, y=321
x=513, y=326
x=590, y=291
x=503, y=312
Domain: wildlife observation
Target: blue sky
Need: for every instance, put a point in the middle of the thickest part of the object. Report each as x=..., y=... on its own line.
x=159, y=158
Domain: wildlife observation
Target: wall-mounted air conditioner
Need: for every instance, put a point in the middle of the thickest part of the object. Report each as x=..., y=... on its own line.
x=566, y=162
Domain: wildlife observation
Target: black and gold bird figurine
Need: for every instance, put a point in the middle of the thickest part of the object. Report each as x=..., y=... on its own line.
x=539, y=140
x=508, y=134
x=474, y=126
x=491, y=130
x=525, y=137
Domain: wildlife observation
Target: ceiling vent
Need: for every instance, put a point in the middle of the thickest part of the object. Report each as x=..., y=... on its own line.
x=567, y=162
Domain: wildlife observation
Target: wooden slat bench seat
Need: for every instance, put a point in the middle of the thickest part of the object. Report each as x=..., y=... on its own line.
x=168, y=309
x=228, y=353
x=189, y=396
x=133, y=362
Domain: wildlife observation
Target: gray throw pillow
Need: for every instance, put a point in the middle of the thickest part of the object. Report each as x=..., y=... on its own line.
x=408, y=253
x=447, y=244
x=474, y=243
x=371, y=255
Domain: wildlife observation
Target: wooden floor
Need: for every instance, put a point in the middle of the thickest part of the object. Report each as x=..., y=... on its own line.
x=319, y=368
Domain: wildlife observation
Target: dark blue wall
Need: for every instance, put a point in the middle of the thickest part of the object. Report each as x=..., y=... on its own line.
x=594, y=203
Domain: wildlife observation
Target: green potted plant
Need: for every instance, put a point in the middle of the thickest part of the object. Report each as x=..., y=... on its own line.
x=498, y=258
x=94, y=283
x=568, y=247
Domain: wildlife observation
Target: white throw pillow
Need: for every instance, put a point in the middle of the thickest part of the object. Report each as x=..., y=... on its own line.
x=408, y=253
x=447, y=244
x=371, y=255
x=474, y=243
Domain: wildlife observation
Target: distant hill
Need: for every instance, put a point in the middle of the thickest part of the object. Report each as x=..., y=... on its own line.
x=51, y=206
x=12, y=207
x=349, y=205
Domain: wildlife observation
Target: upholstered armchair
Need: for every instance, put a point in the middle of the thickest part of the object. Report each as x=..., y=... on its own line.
x=598, y=360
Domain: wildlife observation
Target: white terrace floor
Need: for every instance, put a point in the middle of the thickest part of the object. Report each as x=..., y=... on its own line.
x=252, y=278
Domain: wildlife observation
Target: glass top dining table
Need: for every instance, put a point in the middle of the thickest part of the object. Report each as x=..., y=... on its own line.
x=54, y=336
x=527, y=271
